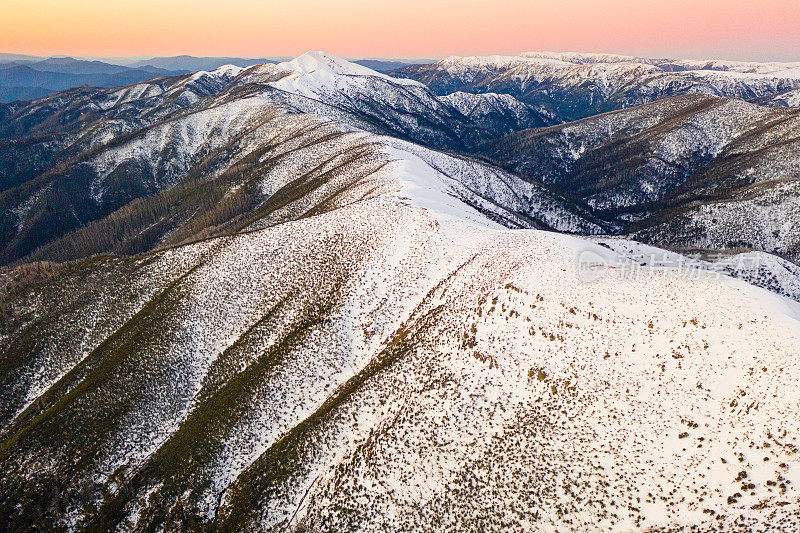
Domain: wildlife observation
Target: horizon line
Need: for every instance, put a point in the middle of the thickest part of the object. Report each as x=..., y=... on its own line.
x=429, y=57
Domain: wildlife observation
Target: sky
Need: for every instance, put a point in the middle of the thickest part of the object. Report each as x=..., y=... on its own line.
x=719, y=29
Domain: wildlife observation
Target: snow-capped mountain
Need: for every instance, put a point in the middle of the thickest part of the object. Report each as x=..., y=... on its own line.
x=317, y=82
x=319, y=74
x=497, y=112
x=761, y=216
x=574, y=86
x=752, y=67
x=176, y=169
x=279, y=317
x=686, y=172
x=790, y=98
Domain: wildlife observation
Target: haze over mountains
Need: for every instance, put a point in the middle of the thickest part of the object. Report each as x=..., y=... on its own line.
x=308, y=295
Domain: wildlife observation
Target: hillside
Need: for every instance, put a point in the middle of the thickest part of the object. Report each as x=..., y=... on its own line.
x=569, y=87
x=148, y=157
x=278, y=298
x=653, y=170
x=265, y=379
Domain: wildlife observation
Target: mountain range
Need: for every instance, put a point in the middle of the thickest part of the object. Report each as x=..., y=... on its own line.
x=692, y=158
x=29, y=77
x=25, y=79
x=565, y=87
x=551, y=292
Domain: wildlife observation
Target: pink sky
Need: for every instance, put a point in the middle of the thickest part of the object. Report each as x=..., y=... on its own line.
x=734, y=29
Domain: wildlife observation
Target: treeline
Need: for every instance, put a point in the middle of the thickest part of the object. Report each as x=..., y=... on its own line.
x=144, y=223
x=15, y=279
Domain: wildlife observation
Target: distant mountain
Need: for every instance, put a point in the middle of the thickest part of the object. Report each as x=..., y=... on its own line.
x=187, y=63
x=37, y=79
x=382, y=65
x=9, y=94
x=21, y=58
x=68, y=65
x=154, y=70
x=574, y=86
x=33, y=79
x=688, y=172
x=287, y=298
x=26, y=76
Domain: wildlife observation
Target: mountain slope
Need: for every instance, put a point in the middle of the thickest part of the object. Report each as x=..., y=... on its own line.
x=759, y=217
x=498, y=112
x=16, y=92
x=299, y=156
x=44, y=177
x=310, y=372
x=651, y=170
x=790, y=98
x=156, y=160
x=332, y=329
x=574, y=86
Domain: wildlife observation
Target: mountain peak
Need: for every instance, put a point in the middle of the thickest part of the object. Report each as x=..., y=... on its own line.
x=319, y=60
x=317, y=72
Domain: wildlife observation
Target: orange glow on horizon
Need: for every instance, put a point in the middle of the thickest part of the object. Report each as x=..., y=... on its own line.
x=735, y=29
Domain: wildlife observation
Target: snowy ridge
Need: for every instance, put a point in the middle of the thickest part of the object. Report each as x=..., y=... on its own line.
x=360, y=342
x=448, y=185
x=786, y=99
x=190, y=88
x=569, y=63
x=319, y=74
x=502, y=334
x=574, y=86
x=489, y=109
x=778, y=68
x=324, y=66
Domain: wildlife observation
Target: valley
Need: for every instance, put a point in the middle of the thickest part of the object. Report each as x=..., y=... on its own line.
x=310, y=296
